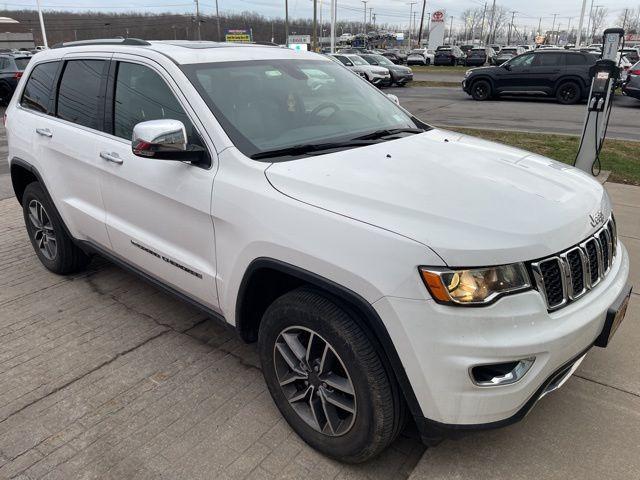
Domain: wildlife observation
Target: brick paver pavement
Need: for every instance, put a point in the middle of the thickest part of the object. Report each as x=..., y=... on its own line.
x=103, y=376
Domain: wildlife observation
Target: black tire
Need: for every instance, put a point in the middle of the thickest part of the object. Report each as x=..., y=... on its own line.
x=5, y=94
x=63, y=258
x=427, y=62
x=379, y=411
x=568, y=93
x=481, y=90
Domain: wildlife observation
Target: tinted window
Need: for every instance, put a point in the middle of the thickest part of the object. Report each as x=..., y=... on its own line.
x=22, y=62
x=522, y=60
x=576, y=60
x=37, y=91
x=142, y=95
x=548, y=59
x=80, y=92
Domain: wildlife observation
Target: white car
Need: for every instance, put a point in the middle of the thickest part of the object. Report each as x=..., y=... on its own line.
x=420, y=56
x=387, y=269
x=378, y=76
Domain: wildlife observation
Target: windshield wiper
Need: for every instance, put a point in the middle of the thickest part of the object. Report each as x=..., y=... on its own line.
x=387, y=132
x=310, y=148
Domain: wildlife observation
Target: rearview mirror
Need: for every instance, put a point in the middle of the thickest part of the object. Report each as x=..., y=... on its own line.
x=164, y=139
x=393, y=98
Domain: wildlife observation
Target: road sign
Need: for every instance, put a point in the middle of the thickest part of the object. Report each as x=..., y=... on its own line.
x=299, y=39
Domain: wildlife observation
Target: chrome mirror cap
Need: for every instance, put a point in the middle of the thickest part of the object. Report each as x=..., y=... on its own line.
x=159, y=138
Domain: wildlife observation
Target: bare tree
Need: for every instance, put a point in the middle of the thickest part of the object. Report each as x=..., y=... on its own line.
x=598, y=20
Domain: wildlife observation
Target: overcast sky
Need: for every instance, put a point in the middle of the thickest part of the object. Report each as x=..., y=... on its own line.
x=387, y=11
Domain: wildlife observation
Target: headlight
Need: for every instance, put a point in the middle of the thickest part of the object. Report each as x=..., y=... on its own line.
x=475, y=286
x=467, y=73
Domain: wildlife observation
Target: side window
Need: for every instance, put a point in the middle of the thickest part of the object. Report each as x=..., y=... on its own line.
x=141, y=95
x=576, y=59
x=37, y=91
x=4, y=63
x=549, y=60
x=522, y=60
x=80, y=92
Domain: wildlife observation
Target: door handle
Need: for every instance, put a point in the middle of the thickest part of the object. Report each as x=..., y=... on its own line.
x=111, y=157
x=45, y=132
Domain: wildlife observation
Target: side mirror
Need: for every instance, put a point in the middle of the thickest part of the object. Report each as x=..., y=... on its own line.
x=393, y=98
x=164, y=139
x=506, y=66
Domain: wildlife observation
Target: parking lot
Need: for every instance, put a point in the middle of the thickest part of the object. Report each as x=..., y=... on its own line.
x=103, y=376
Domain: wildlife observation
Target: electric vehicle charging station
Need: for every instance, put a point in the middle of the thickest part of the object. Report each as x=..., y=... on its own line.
x=605, y=73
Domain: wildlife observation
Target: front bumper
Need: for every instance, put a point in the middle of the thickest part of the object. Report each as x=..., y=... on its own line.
x=381, y=80
x=440, y=343
x=402, y=78
x=631, y=91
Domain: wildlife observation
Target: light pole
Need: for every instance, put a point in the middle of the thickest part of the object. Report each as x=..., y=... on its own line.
x=513, y=15
x=44, y=33
x=364, y=19
x=198, y=18
x=286, y=22
x=314, y=40
x=218, y=20
x=424, y=4
x=410, y=17
x=451, y=30
x=333, y=26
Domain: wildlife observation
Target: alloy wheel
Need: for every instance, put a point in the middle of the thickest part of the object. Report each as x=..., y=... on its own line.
x=568, y=93
x=42, y=230
x=315, y=381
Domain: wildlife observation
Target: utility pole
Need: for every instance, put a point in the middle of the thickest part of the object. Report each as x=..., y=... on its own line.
x=484, y=13
x=568, y=29
x=493, y=16
x=424, y=4
x=579, y=35
x=588, y=32
x=44, y=33
x=218, y=21
x=624, y=22
x=410, y=17
x=364, y=20
x=333, y=26
x=540, y=26
x=286, y=23
x=314, y=41
x=513, y=15
x=451, y=30
x=198, y=18
x=554, y=24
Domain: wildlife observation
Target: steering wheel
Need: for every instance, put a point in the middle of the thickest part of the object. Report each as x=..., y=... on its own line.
x=325, y=106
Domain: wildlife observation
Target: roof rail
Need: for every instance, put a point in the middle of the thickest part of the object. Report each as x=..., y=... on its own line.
x=103, y=41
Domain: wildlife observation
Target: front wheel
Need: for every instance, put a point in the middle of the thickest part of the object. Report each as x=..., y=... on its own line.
x=427, y=62
x=568, y=93
x=481, y=90
x=327, y=378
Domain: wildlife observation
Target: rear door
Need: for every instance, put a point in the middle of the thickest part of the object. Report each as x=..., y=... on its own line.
x=67, y=144
x=158, y=211
x=546, y=70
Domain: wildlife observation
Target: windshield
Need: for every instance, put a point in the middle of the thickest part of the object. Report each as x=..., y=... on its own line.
x=383, y=60
x=416, y=52
x=266, y=105
x=370, y=59
x=22, y=62
x=357, y=60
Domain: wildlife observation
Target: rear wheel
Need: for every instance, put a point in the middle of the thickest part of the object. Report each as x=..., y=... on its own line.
x=568, y=93
x=326, y=377
x=481, y=90
x=49, y=239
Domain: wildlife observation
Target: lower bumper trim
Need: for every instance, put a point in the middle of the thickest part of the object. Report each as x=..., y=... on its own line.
x=433, y=432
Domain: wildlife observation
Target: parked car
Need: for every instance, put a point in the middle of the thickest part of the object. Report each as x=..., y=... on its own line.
x=479, y=56
x=526, y=48
x=400, y=75
x=496, y=47
x=632, y=54
x=379, y=76
x=320, y=224
x=420, y=56
x=354, y=50
x=563, y=74
x=507, y=53
x=466, y=48
x=449, y=55
x=11, y=68
x=631, y=86
x=396, y=56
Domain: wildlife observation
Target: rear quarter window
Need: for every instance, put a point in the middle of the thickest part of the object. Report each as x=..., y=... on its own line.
x=22, y=63
x=37, y=91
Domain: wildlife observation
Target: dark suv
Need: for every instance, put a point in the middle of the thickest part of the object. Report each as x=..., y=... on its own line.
x=11, y=68
x=449, y=55
x=552, y=73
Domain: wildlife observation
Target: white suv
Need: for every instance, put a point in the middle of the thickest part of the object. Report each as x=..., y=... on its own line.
x=387, y=269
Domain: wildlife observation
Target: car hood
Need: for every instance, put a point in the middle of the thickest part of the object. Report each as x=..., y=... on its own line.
x=473, y=202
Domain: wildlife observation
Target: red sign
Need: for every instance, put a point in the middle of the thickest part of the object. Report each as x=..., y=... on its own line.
x=437, y=16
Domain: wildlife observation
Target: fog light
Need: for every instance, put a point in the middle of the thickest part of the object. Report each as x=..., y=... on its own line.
x=500, y=373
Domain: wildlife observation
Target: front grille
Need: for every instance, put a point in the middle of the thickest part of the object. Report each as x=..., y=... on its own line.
x=567, y=276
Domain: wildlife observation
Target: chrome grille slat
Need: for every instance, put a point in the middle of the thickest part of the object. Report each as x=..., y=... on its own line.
x=566, y=277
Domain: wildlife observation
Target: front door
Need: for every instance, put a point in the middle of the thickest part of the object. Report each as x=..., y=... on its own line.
x=158, y=211
x=515, y=75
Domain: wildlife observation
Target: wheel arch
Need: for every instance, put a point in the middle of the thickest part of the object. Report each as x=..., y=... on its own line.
x=483, y=77
x=259, y=287
x=22, y=174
